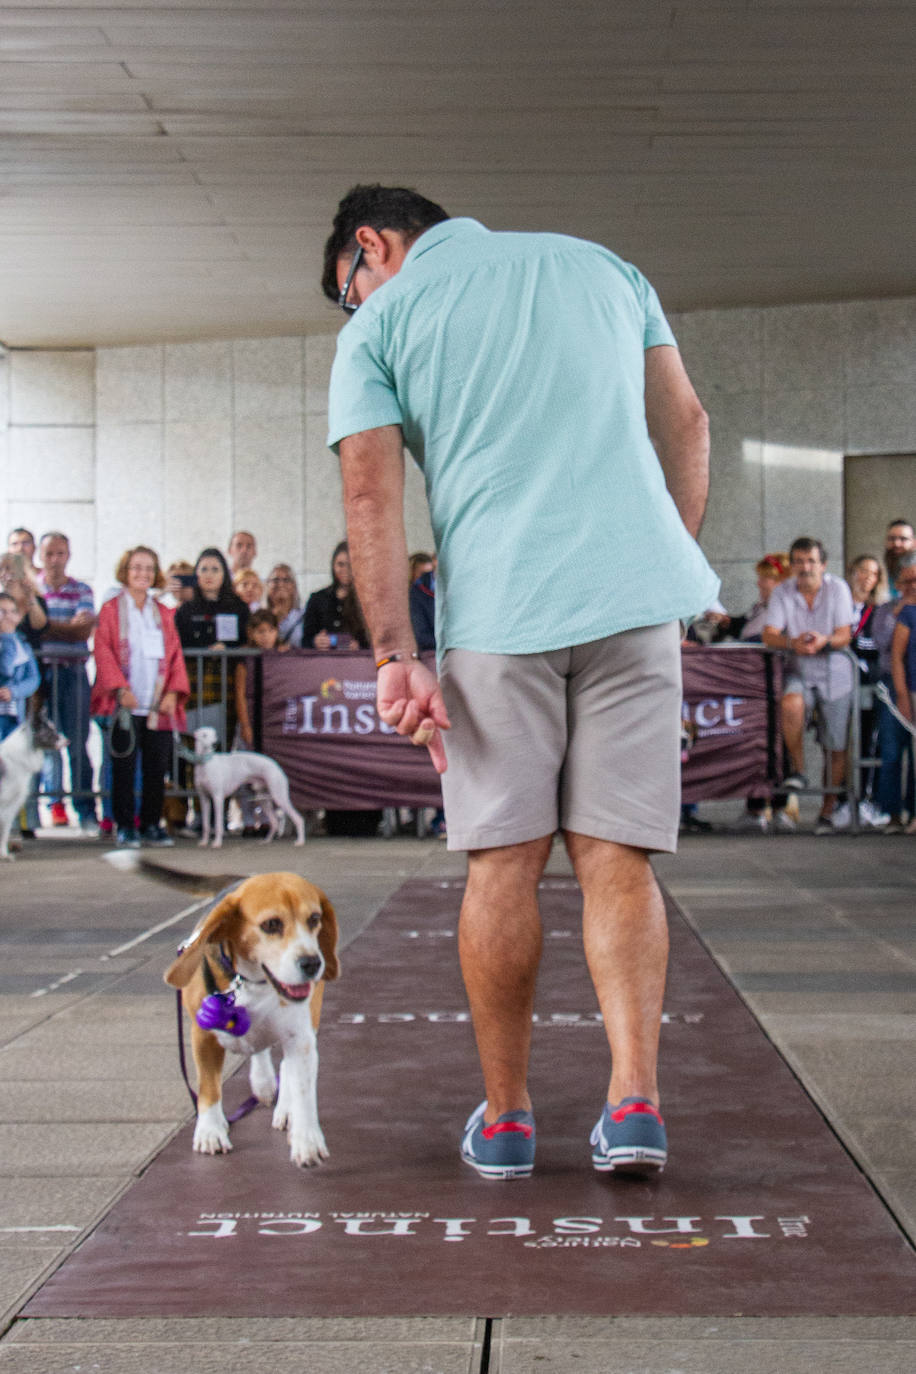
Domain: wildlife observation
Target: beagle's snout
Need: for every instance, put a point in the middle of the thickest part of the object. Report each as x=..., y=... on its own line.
x=310, y=965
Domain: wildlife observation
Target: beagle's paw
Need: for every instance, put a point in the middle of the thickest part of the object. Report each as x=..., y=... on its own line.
x=307, y=1147
x=211, y=1134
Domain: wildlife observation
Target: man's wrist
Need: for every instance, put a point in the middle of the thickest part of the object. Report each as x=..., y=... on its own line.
x=382, y=659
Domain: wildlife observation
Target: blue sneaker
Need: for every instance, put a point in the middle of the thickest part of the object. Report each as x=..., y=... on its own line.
x=630, y=1139
x=504, y=1149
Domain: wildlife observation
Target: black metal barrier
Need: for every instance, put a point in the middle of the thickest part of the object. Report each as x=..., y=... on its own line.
x=211, y=675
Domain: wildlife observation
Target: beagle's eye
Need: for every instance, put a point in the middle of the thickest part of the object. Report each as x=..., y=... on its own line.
x=314, y=921
x=272, y=926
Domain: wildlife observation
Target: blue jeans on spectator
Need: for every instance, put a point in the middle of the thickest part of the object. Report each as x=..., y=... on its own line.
x=895, y=754
x=68, y=707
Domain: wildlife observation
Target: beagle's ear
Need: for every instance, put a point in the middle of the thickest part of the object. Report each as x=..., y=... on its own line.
x=220, y=923
x=327, y=940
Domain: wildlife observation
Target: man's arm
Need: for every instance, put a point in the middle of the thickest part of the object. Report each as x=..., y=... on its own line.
x=372, y=467
x=679, y=429
x=74, y=631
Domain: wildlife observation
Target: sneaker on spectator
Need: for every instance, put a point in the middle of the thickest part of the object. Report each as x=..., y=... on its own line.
x=753, y=821
x=629, y=1138
x=106, y=828
x=795, y=782
x=156, y=837
x=824, y=825
x=871, y=815
x=59, y=814
x=127, y=838
x=89, y=827
x=504, y=1149
x=783, y=822
x=842, y=816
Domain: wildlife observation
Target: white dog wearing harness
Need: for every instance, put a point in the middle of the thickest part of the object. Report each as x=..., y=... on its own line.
x=218, y=776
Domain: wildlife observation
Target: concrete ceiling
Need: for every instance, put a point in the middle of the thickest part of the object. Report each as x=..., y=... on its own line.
x=170, y=170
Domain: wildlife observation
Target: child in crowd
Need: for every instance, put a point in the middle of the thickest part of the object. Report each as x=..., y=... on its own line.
x=19, y=676
x=262, y=633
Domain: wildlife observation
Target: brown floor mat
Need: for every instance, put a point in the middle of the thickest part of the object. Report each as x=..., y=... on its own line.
x=760, y=1212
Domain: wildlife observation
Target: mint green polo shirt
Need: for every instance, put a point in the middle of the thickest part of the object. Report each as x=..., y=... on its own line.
x=514, y=364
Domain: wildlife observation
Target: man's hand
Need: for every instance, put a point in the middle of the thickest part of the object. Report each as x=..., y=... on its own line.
x=168, y=703
x=409, y=698
x=809, y=643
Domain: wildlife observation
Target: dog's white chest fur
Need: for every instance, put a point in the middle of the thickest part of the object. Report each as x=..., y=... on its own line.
x=274, y=1022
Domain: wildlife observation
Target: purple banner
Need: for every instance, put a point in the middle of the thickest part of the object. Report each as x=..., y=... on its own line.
x=731, y=710
x=320, y=723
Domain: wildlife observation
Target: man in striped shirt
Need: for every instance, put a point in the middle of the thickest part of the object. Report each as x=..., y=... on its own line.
x=71, y=619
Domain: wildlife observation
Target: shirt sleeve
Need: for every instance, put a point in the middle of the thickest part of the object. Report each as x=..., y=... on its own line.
x=362, y=394
x=775, y=613
x=657, y=329
x=85, y=599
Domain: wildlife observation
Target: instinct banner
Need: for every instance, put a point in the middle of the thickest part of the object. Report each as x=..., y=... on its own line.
x=318, y=720
x=733, y=743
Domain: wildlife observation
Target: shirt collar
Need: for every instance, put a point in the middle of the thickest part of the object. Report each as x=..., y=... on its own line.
x=440, y=233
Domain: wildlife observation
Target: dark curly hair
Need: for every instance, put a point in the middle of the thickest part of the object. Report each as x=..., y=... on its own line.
x=380, y=207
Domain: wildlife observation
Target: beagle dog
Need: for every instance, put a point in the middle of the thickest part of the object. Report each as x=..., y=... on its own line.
x=252, y=976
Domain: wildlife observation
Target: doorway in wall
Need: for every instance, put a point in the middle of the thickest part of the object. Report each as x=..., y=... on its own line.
x=877, y=488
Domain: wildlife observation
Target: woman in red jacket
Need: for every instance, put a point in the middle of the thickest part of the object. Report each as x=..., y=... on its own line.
x=141, y=680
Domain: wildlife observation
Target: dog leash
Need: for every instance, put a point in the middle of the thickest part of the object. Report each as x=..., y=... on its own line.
x=886, y=699
x=247, y=1106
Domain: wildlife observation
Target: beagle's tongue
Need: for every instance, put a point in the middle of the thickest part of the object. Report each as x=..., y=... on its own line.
x=297, y=992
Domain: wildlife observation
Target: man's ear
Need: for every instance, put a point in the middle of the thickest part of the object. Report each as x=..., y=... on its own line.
x=218, y=924
x=382, y=248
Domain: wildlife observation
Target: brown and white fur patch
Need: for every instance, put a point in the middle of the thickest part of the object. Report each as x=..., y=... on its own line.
x=279, y=934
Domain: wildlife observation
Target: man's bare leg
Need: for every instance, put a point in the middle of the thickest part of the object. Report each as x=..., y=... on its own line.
x=499, y=942
x=835, y=771
x=793, y=729
x=626, y=944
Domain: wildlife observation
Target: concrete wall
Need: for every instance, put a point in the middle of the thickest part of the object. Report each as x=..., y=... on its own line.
x=178, y=445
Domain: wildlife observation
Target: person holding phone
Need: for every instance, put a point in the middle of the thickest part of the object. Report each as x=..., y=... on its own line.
x=333, y=618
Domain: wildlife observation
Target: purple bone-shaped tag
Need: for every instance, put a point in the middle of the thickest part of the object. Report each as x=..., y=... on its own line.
x=219, y=1012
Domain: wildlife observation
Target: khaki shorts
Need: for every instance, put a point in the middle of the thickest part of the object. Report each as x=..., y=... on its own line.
x=832, y=716
x=584, y=739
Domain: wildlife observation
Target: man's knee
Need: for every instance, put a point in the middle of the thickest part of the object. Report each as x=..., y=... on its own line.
x=793, y=708
x=518, y=865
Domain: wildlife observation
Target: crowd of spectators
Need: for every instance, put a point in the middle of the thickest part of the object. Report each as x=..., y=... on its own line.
x=814, y=616
x=146, y=686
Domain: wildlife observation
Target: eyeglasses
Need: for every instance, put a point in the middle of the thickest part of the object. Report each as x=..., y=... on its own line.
x=350, y=306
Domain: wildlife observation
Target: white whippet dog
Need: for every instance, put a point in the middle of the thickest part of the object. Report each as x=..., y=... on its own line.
x=218, y=776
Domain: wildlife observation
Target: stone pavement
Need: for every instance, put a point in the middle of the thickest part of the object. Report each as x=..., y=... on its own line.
x=818, y=935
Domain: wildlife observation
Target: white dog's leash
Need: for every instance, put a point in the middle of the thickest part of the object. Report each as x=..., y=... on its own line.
x=887, y=700
x=187, y=754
